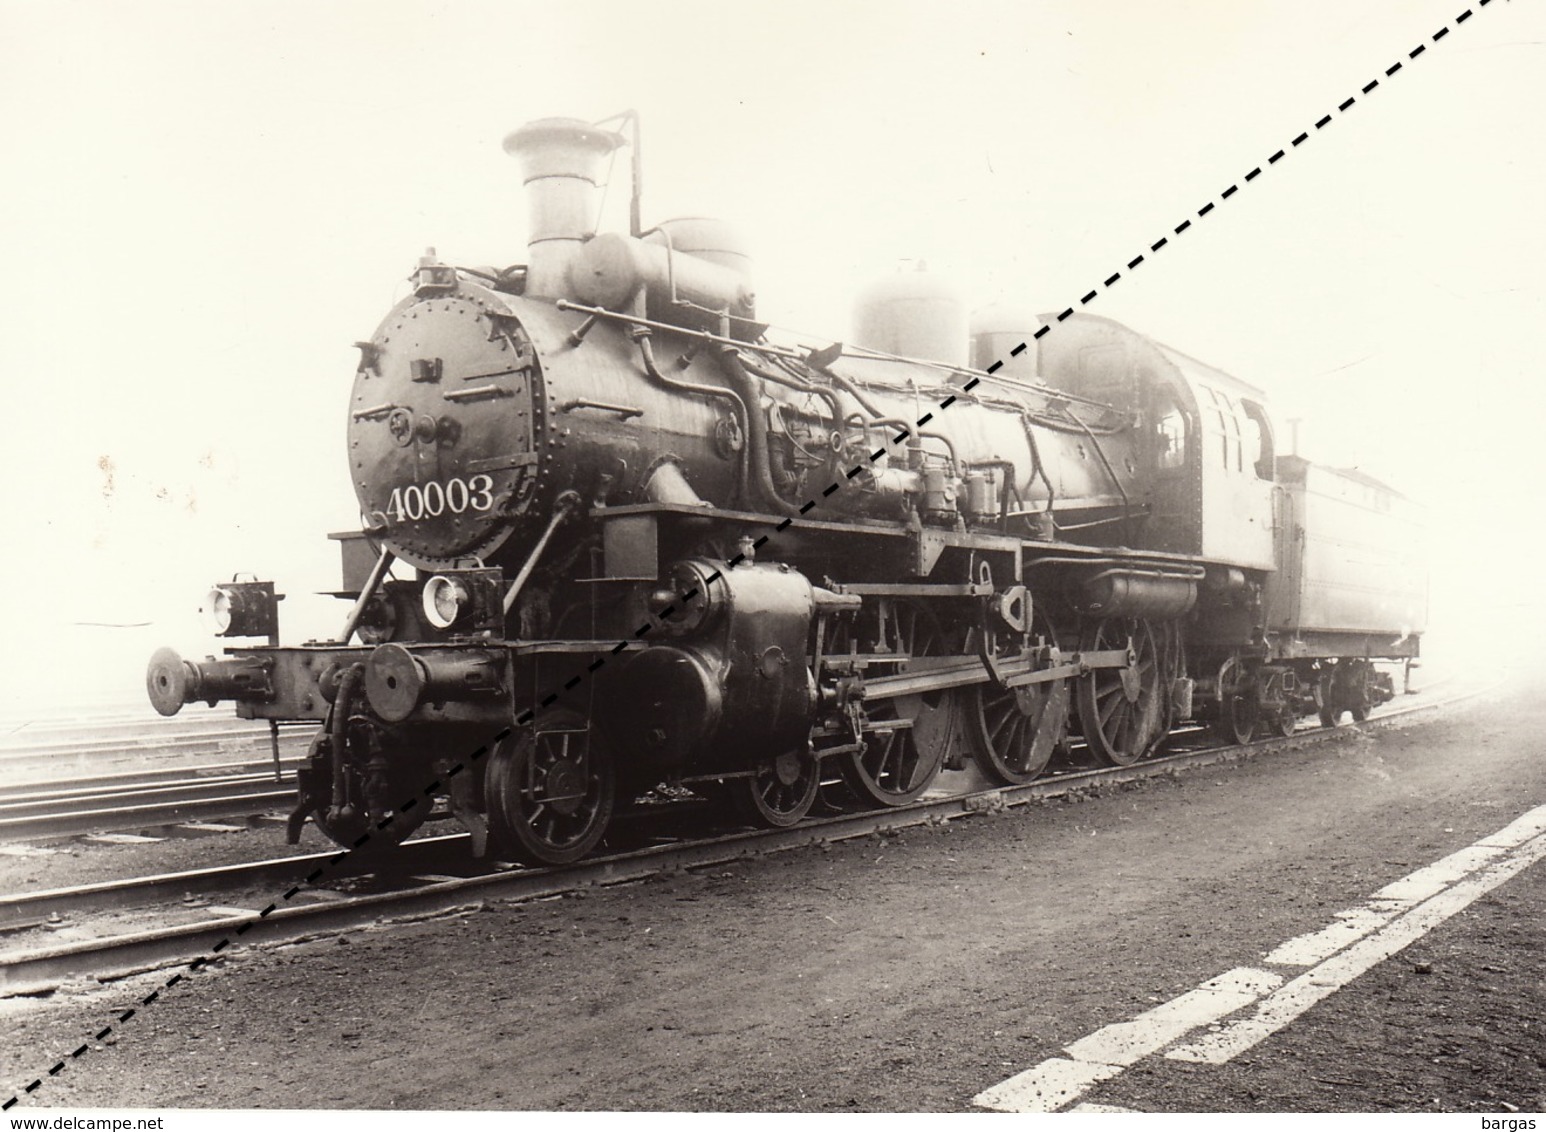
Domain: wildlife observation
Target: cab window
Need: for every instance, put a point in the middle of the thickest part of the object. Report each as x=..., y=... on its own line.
x=1259, y=448
x=1170, y=435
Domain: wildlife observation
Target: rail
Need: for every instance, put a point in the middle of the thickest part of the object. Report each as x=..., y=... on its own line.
x=24, y=971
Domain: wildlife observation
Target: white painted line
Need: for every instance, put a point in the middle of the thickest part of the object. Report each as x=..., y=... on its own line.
x=1350, y=926
x=1284, y=1005
x=1046, y=1087
x=1435, y=878
x=1356, y=940
x=1109, y=1050
x=1123, y=1043
x=1520, y=830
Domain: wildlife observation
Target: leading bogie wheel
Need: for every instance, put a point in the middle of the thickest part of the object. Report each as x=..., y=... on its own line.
x=780, y=794
x=1123, y=713
x=550, y=790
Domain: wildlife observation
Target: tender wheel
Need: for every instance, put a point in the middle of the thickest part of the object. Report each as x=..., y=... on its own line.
x=1014, y=732
x=1359, y=690
x=899, y=762
x=1284, y=716
x=780, y=794
x=1287, y=723
x=1347, y=687
x=1122, y=712
x=1326, y=693
x=550, y=790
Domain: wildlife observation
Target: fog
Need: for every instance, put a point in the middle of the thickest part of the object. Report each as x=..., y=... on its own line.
x=208, y=203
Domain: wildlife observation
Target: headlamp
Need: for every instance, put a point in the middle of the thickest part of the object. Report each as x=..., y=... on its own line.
x=445, y=599
x=241, y=609
x=467, y=602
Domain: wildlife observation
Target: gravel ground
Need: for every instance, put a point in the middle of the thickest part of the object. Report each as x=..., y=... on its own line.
x=897, y=973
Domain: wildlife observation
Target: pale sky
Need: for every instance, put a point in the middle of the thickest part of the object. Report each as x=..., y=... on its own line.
x=205, y=204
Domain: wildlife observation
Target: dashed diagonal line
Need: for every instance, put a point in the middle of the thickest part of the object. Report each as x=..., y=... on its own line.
x=809, y=505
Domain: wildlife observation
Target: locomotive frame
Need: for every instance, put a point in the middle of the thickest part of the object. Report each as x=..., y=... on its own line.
x=653, y=546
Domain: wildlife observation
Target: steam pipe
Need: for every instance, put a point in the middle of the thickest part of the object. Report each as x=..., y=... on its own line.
x=681, y=331
x=791, y=382
x=756, y=433
x=1127, y=507
x=730, y=396
x=917, y=434
x=1186, y=570
x=851, y=389
x=1038, y=469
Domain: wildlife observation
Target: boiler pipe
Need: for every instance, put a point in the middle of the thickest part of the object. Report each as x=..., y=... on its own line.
x=730, y=396
x=756, y=433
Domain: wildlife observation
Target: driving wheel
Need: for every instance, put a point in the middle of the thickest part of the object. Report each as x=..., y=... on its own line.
x=903, y=752
x=1013, y=732
x=1122, y=711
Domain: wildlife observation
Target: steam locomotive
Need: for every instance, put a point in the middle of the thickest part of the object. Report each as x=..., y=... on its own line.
x=615, y=535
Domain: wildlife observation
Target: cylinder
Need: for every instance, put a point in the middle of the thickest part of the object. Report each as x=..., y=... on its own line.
x=668, y=705
x=562, y=162
x=912, y=314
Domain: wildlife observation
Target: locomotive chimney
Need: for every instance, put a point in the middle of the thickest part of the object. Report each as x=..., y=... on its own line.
x=562, y=161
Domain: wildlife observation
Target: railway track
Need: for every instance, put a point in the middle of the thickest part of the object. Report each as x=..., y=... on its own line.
x=95, y=743
x=143, y=799
x=120, y=944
